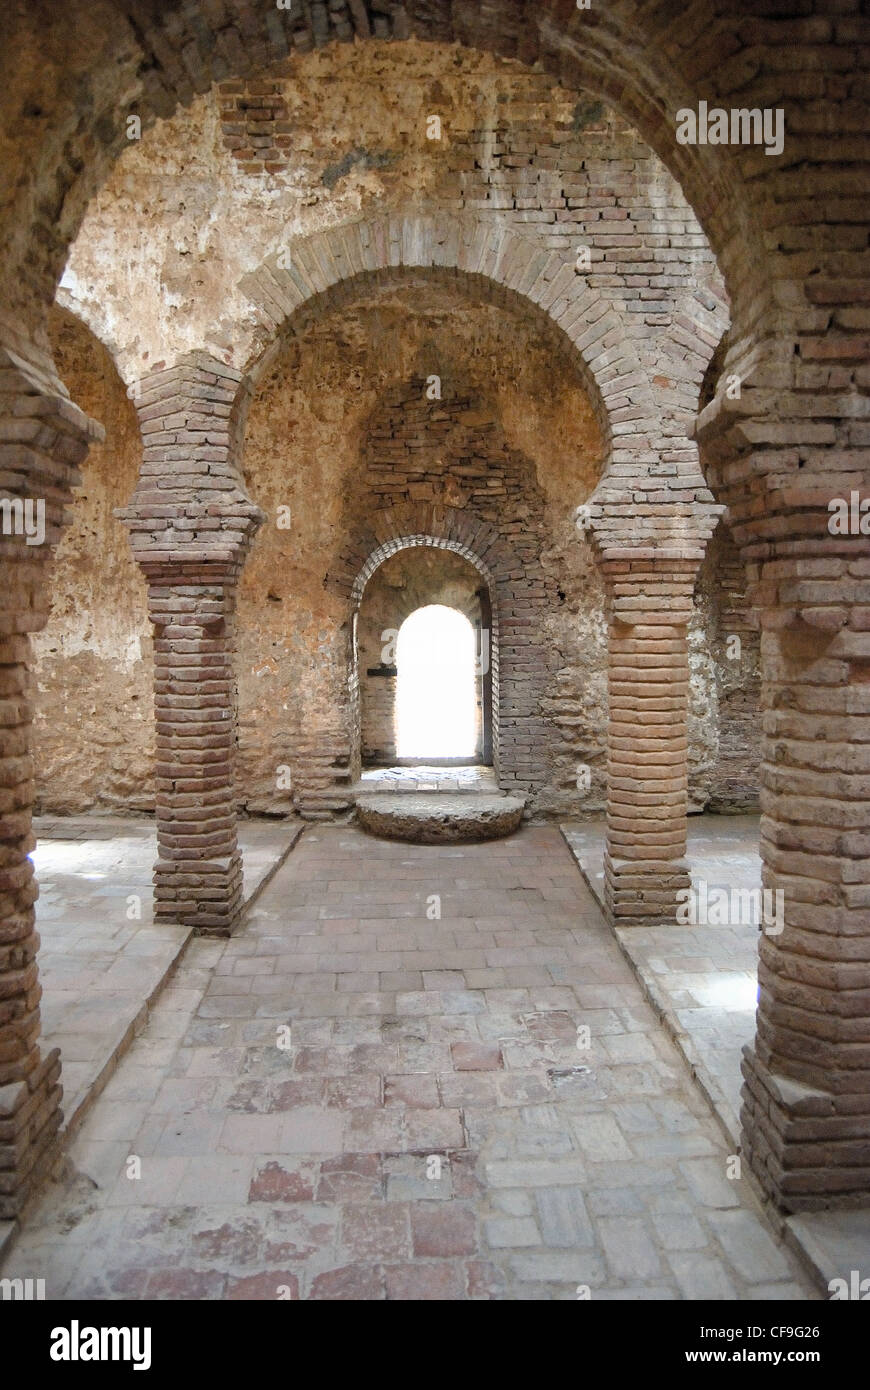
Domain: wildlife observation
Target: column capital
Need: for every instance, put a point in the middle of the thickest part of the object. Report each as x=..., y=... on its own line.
x=190, y=510
x=190, y=542
x=651, y=514
x=44, y=438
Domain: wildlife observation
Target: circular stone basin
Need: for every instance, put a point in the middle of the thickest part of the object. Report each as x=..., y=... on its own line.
x=437, y=818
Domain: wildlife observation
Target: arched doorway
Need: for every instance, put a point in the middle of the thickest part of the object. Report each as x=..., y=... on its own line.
x=438, y=679
x=393, y=601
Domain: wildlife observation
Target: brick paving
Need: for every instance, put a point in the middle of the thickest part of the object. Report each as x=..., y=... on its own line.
x=702, y=979
x=101, y=958
x=427, y=1128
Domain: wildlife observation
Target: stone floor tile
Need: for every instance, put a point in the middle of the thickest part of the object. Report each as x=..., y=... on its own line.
x=470, y=1056
x=600, y=1137
x=676, y=1231
x=511, y=1232
x=441, y=1281
x=376, y=1231
x=708, y=1183
x=266, y=1286
x=702, y=1276
x=354, y=1283
x=514, y=1203
x=280, y=1179
x=434, y=1129
x=563, y=1218
x=628, y=1247
x=750, y=1249
x=415, y=1090
x=559, y=1266
x=360, y=1090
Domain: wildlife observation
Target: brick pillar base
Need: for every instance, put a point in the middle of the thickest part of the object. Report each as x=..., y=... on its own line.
x=648, y=672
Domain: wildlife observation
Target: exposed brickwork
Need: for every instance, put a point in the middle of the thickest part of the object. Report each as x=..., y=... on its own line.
x=198, y=874
x=806, y=1107
x=498, y=266
x=190, y=525
x=653, y=502
x=322, y=774
x=653, y=487
x=43, y=439
x=551, y=163
x=255, y=126
x=93, y=666
x=735, y=648
x=647, y=784
x=296, y=647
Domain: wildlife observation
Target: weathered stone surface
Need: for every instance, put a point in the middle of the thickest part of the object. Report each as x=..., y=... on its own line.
x=439, y=817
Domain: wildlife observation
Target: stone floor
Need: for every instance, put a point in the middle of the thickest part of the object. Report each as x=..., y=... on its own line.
x=102, y=960
x=427, y=778
x=702, y=979
x=383, y=1086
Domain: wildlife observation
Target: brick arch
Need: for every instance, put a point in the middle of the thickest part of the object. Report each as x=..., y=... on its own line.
x=397, y=543
x=482, y=261
x=515, y=731
x=686, y=353
x=451, y=533
x=495, y=264
x=701, y=322
x=132, y=57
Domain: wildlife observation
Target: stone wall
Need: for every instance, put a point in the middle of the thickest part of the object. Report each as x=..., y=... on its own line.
x=93, y=660
x=341, y=135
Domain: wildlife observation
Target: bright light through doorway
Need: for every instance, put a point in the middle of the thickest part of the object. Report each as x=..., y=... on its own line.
x=436, y=685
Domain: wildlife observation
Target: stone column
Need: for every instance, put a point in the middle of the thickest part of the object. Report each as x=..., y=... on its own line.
x=650, y=606
x=43, y=439
x=191, y=524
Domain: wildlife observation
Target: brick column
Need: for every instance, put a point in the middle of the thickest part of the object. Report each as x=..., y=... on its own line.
x=191, y=524
x=806, y=1097
x=651, y=517
x=198, y=874
x=43, y=439
x=650, y=606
